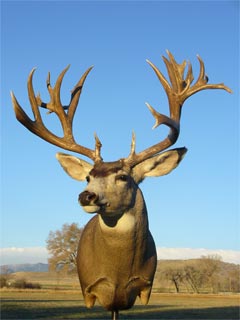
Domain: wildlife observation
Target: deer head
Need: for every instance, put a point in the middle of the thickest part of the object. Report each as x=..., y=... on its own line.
x=112, y=191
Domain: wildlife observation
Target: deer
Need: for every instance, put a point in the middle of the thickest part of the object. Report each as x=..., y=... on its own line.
x=116, y=258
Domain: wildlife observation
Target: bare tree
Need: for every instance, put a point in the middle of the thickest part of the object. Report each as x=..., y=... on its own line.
x=62, y=245
x=194, y=277
x=234, y=280
x=175, y=275
x=211, y=265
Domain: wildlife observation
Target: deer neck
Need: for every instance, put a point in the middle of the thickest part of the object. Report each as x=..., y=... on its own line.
x=129, y=221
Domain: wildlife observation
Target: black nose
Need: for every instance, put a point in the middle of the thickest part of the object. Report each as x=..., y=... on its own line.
x=86, y=198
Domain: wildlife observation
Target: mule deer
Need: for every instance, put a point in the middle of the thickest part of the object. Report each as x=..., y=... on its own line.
x=116, y=255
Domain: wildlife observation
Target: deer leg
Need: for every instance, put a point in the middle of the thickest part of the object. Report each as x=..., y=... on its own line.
x=115, y=315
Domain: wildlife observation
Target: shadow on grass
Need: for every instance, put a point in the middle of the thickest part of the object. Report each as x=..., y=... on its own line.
x=139, y=312
x=157, y=313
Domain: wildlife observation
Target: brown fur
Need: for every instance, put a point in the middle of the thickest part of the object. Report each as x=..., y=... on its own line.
x=103, y=169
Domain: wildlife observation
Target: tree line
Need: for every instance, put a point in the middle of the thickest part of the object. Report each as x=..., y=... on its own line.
x=207, y=274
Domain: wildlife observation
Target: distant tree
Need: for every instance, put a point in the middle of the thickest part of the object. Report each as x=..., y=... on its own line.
x=194, y=277
x=210, y=267
x=207, y=274
x=211, y=262
x=234, y=280
x=62, y=246
x=175, y=275
x=3, y=281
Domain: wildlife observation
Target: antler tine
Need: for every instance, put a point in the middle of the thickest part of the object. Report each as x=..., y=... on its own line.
x=34, y=126
x=33, y=100
x=202, y=83
x=178, y=89
x=55, y=104
x=75, y=94
x=98, y=146
x=37, y=126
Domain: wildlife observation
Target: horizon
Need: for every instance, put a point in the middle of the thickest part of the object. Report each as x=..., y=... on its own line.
x=36, y=255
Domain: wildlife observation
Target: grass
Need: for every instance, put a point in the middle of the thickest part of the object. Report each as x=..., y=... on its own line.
x=69, y=304
x=61, y=298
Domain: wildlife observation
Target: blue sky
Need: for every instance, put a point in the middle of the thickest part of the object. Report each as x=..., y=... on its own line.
x=197, y=205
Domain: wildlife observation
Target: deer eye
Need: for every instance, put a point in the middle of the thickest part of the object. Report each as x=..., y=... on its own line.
x=122, y=177
x=88, y=179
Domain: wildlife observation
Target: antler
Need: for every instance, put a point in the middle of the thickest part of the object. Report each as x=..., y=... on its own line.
x=66, y=118
x=178, y=90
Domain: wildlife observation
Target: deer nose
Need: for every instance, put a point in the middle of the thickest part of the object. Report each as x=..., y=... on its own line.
x=86, y=198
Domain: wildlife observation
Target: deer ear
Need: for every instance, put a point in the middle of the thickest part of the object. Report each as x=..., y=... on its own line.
x=158, y=165
x=76, y=168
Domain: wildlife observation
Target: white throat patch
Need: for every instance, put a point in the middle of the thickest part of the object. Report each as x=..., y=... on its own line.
x=124, y=224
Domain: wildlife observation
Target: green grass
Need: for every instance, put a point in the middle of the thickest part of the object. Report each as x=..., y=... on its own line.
x=59, y=304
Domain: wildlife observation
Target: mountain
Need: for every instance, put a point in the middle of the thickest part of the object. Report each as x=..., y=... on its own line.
x=27, y=267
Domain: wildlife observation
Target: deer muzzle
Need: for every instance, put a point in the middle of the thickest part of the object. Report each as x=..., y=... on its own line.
x=87, y=198
x=91, y=202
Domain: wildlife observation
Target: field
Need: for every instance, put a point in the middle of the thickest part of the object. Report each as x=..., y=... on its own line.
x=58, y=304
x=61, y=298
